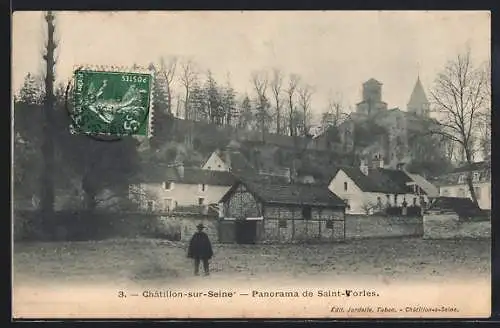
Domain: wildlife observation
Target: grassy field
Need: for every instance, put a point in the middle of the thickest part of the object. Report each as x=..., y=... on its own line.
x=149, y=260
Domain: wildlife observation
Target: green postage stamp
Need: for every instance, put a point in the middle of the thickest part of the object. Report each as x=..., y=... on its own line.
x=112, y=102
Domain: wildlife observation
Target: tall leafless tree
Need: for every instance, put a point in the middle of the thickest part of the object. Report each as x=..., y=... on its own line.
x=276, y=87
x=188, y=78
x=291, y=93
x=260, y=83
x=47, y=178
x=168, y=68
x=305, y=93
x=460, y=96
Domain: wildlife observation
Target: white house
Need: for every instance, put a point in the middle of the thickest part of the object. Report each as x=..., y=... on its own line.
x=367, y=190
x=455, y=184
x=215, y=163
x=163, y=189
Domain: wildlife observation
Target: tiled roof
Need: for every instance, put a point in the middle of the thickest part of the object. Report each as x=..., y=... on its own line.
x=161, y=173
x=289, y=194
x=379, y=180
x=477, y=166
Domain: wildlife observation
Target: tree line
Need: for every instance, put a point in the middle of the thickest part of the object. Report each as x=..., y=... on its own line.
x=278, y=103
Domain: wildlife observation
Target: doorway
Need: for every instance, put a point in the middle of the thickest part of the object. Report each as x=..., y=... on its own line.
x=246, y=231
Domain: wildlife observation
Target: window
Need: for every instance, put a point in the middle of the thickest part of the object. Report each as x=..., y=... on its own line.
x=306, y=212
x=150, y=205
x=167, y=185
x=282, y=223
x=475, y=176
x=329, y=224
x=201, y=200
x=347, y=204
x=461, y=179
x=202, y=187
x=345, y=186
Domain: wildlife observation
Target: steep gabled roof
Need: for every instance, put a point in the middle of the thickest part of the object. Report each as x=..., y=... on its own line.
x=379, y=180
x=418, y=96
x=288, y=194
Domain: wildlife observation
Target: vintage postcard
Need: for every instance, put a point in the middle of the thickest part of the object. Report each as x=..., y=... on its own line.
x=251, y=164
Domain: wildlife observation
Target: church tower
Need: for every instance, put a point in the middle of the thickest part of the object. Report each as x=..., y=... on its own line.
x=372, y=98
x=418, y=103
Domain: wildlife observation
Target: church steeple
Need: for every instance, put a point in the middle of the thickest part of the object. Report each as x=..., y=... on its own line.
x=418, y=103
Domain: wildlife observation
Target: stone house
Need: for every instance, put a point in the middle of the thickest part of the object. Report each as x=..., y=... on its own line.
x=258, y=211
x=164, y=189
x=455, y=184
x=371, y=189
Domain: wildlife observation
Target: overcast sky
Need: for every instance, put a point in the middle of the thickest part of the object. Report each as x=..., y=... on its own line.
x=333, y=51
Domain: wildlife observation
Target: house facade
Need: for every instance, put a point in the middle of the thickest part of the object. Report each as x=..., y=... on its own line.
x=168, y=188
x=254, y=211
x=367, y=190
x=455, y=184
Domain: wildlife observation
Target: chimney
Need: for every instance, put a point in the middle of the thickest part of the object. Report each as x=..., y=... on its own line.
x=180, y=169
x=378, y=161
x=381, y=162
x=363, y=166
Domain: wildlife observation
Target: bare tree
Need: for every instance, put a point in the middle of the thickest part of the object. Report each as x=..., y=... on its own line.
x=305, y=93
x=334, y=114
x=168, y=68
x=188, y=78
x=47, y=178
x=260, y=83
x=276, y=86
x=460, y=95
x=291, y=92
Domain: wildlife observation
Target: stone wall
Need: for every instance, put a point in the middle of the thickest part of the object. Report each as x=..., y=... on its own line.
x=74, y=225
x=448, y=225
x=372, y=226
x=184, y=226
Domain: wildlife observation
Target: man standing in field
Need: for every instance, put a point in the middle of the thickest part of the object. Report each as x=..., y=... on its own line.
x=200, y=249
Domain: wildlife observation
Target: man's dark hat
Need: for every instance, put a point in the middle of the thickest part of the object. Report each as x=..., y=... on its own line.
x=200, y=226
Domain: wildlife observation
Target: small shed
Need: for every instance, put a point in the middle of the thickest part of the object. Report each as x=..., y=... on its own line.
x=259, y=211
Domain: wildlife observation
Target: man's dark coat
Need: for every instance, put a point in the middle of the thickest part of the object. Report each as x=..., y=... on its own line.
x=200, y=246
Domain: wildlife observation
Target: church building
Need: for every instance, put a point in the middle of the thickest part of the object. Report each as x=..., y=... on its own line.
x=398, y=145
